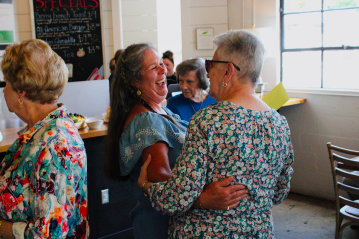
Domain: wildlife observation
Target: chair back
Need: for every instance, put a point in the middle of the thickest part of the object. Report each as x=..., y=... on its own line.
x=173, y=88
x=343, y=162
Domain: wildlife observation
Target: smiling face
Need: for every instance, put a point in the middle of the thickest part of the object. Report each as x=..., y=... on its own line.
x=153, y=82
x=190, y=86
x=169, y=65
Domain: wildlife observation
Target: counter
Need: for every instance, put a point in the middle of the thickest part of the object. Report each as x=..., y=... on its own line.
x=10, y=135
x=294, y=101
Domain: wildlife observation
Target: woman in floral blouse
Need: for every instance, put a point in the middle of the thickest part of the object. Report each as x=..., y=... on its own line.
x=239, y=136
x=43, y=179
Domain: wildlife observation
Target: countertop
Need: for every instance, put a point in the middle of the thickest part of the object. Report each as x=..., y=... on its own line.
x=10, y=135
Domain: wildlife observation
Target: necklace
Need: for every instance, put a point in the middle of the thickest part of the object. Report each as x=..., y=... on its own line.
x=193, y=107
x=200, y=107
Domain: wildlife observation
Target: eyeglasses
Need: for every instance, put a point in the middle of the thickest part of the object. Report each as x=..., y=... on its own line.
x=209, y=64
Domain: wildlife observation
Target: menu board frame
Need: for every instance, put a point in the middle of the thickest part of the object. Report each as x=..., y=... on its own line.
x=88, y=73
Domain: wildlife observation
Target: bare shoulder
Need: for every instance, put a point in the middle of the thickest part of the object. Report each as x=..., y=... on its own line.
x=137, y=109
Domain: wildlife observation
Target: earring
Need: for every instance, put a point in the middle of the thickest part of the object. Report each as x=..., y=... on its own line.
x=138, y=92
x=20, y=102
x=224, y=85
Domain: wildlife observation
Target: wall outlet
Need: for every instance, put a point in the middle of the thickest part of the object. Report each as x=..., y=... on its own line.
x=104, y=196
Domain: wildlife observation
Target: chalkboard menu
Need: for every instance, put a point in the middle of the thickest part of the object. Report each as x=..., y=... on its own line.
x=73, y=30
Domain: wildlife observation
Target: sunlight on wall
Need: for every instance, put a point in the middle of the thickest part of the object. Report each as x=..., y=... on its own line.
x=169, y=28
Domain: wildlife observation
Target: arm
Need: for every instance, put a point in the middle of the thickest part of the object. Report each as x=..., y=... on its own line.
x=281, y=190
x=220, y=195
x=159, y=169
x=282, y=187
x=217, y=195
x=188, y=177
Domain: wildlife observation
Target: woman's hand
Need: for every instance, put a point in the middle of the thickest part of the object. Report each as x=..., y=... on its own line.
x=221, y=195
x=143, y=178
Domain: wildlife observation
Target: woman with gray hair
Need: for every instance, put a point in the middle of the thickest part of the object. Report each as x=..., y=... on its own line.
x=193, y=82
x=240, y=135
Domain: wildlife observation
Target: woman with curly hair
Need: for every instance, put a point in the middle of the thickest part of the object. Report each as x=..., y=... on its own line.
x=43, y=177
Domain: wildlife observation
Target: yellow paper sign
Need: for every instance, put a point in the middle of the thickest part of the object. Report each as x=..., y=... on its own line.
x=276, y=97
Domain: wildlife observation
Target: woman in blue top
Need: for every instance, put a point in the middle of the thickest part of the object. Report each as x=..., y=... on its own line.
x=193, y=82
x=140, y=126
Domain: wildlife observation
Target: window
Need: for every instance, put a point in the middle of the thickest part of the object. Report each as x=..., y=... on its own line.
x=320, y=44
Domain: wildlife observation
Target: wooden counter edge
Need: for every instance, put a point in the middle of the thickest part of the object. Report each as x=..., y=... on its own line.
x=295, y=101
x=291, y=101
x=10, y=135
x=91, y=133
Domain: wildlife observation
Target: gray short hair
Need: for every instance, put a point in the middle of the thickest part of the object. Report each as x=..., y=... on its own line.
x=244, y=49
x=194, y=64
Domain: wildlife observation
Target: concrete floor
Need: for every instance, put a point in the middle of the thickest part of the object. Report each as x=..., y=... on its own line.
x=301, y=217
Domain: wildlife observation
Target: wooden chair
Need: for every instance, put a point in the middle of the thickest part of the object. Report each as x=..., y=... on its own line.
x=343, y=166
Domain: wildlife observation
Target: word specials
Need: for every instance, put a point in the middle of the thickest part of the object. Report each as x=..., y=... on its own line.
x=65, y=3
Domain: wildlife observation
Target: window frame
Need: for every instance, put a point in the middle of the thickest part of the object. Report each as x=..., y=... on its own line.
x=321, y=90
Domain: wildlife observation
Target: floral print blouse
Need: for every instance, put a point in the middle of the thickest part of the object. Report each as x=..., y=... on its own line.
x=43, y=180
x=225, y=139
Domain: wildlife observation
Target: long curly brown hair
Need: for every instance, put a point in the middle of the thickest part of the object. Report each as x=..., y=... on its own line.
x=123, y=98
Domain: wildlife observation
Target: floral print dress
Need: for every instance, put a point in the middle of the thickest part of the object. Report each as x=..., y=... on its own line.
x=225, y=139
x=43, y=180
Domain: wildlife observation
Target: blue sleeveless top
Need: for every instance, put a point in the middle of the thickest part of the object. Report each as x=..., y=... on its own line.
x=144, y=130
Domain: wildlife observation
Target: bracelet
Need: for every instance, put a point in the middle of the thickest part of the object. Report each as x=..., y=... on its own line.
x=200, y=204
x=143, y=186
x=143, y=189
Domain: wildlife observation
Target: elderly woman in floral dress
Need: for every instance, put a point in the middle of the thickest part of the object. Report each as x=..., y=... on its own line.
x=239, y=136
x=43, y=178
